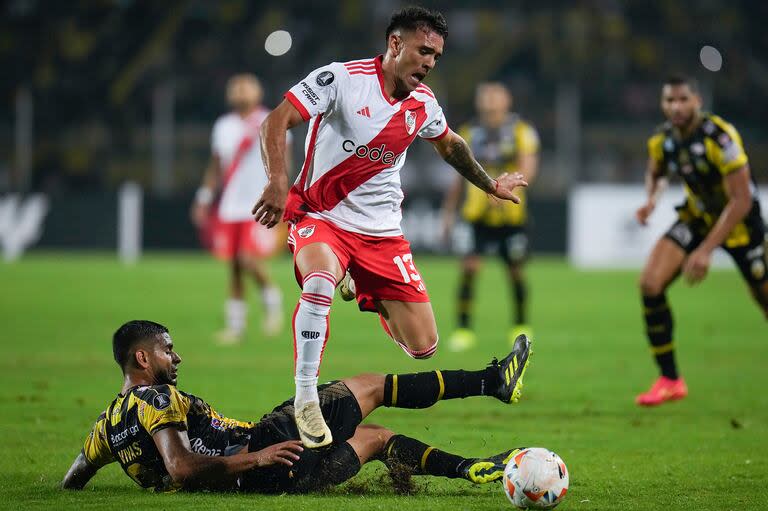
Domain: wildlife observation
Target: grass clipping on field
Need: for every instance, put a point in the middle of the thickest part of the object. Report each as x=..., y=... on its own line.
x=399, y=478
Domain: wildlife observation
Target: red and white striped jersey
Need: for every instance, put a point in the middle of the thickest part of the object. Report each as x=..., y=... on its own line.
x=235, y=140
x=356, y=146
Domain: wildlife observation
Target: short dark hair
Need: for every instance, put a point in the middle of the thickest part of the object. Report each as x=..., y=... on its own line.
x=682, y=79
x=414, y=17
x=128, y=335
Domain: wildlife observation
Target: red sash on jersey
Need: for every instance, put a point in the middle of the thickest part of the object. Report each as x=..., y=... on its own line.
x=245, y=145
x=209, y=227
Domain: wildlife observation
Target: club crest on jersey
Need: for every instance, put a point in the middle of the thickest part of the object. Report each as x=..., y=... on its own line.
x=410, y=121
x=306, y=232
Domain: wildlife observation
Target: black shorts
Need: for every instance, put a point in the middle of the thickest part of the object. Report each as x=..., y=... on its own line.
x=342, y=413
x=750, y=258
x=510, y=242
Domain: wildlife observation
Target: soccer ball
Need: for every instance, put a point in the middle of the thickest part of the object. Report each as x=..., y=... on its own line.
x=535, y=478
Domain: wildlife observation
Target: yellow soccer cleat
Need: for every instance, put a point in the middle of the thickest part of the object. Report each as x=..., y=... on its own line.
x=488, y=470
x=313, y=430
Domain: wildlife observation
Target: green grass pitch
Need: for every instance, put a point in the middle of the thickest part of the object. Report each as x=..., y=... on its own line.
x=57, y=314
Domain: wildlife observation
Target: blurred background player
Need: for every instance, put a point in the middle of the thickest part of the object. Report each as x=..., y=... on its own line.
x=223, y=203
x=502, y=142
x=721, y=210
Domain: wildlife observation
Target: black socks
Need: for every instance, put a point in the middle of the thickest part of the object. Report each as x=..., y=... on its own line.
x=658, y=325
x=421, y=390
x=402, y=452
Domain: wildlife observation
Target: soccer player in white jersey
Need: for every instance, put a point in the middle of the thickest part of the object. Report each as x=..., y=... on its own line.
x=344, y=207
x=235, y=174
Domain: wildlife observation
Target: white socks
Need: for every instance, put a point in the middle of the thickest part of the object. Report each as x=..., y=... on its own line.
x=310, y=332
x=272, y=299
x=236, y=313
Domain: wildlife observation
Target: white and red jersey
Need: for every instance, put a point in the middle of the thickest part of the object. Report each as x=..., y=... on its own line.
x=235, y=140
x=356, y=146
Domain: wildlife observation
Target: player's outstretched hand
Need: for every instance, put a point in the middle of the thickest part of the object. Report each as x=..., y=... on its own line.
x=284, y=453
x=270, y=206
x=696, y=266
x=505, y=183
x=644, y=212
x=199, y=214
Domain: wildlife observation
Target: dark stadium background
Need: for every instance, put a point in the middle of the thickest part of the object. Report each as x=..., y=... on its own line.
x=95, y=93
x=103, y=96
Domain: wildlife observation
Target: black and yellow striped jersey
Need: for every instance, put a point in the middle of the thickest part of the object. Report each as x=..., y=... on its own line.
x=498, y=151
x=702, y=161
x=123, y=433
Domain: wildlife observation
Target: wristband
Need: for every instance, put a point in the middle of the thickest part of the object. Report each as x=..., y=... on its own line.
x=204, y=196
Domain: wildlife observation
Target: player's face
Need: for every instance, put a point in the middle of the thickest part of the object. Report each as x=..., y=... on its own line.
x=493, y=102
x=164, y=361
x=417, y=53
x=243, y=94
x=680, y=104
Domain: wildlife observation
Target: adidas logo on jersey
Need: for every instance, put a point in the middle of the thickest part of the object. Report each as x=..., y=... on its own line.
x=364, y=112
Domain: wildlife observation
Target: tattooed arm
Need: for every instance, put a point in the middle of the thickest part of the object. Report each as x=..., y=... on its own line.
x=456, y=152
